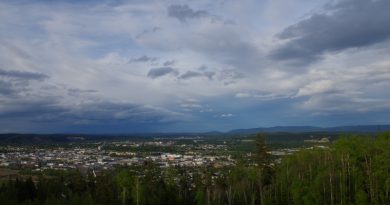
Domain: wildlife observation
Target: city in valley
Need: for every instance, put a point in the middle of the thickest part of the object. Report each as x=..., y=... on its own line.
x=164, y=152
x=209, y=167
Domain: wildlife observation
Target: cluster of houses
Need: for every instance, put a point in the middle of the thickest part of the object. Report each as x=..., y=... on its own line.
x=97, y=158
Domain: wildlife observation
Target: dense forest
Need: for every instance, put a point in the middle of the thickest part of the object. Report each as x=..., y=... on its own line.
x=353, y=170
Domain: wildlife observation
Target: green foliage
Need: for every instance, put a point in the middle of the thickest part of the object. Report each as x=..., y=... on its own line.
x=262, y=153
x=353, y=170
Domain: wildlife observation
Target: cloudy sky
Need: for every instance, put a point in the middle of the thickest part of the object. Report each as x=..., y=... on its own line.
x=160, y=66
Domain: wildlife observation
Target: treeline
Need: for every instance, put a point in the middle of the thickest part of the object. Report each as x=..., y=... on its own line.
x=353, y=170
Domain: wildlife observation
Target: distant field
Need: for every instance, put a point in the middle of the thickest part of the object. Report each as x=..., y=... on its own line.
x=5, y=173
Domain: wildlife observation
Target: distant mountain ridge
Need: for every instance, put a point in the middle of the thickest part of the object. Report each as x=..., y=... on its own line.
x=296, y=129
x=277, y=132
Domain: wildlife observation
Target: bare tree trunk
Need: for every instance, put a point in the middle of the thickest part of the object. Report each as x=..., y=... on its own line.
x=137, y=189
x=368, y=167
x=331, y=189
x=261, y=194
x=330, y=181
x=245, y=198
x=208, y=195
x=124, y=196
x=323, y=185
x=261, y=188
x=349, y=194
x=310, y=177
x=229, y=195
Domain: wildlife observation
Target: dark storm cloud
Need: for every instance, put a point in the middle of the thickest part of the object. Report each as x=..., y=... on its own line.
x=22, y=75
x=209, y=75
x=143, y=59
x=194, y=74
x=348, y=24
x=190, y=74
x=184, y=12
x=6, y=88
x=148, y=31
x=169, y=63
x=159, y=72
x=128, y=112
x=14, y=82
x=77, y=92
x=50, y=110
x=32, y=110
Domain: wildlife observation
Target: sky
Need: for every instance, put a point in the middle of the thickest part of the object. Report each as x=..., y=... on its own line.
x=113, y=66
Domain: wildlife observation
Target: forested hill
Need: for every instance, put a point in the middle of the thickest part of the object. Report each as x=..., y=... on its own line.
x=298, y=129
x=279, y=133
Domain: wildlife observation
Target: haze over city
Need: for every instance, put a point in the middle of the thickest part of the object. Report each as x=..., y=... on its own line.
x=173, y=66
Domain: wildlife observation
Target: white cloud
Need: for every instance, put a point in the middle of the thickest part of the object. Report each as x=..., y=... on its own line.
x=316, y=87
x=226, y=115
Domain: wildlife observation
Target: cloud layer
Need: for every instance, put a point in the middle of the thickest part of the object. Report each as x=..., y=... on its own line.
x=344, y=25
x=146, y=66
